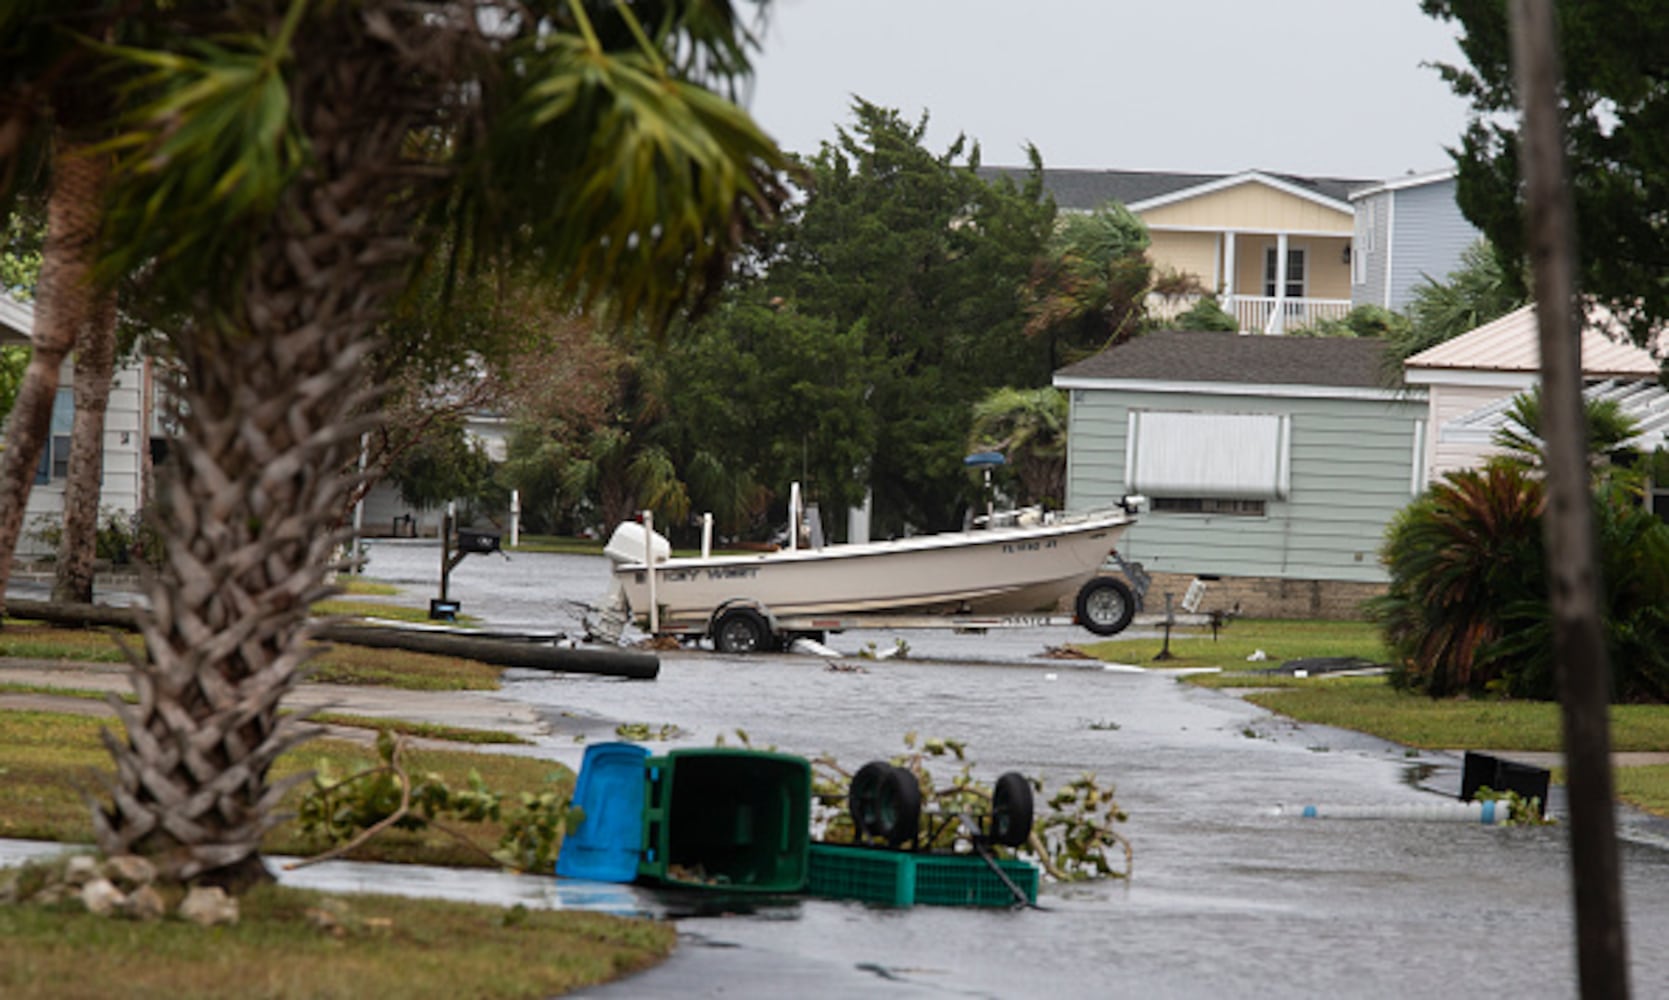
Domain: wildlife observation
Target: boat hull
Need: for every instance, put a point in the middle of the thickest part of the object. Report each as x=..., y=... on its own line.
x=996, y=571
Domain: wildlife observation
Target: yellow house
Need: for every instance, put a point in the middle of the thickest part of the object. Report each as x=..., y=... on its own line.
x=1273, y=248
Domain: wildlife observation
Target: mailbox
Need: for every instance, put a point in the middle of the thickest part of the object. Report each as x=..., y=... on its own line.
x=477, y=542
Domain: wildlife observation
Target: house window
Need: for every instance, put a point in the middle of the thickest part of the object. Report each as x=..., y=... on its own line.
x=1200, y=457
x=1209, y=505
x=55, y=454
x=1295, y=272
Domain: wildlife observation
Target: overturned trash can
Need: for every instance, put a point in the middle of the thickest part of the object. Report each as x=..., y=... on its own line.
x=732, y=820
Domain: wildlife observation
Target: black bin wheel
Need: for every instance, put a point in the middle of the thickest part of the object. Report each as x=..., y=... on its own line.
x=1105, y=605
x=1011, y=809
x=742, y=630
x=885, y=801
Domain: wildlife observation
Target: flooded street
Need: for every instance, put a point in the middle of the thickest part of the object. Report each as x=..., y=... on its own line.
x=1228, y=899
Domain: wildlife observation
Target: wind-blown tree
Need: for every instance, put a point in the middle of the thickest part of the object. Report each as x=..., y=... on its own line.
x=300, y=157
x=1090, y=291
x=1614, y=112
x=1029, y=427
x=932, y=261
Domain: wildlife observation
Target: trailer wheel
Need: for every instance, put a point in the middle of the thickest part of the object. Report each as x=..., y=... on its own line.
x=742, y=630
x=885, y=802
x=1011, y=809
x=1105, y=606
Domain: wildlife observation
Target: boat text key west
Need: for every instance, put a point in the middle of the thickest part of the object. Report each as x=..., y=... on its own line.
x=981, y=578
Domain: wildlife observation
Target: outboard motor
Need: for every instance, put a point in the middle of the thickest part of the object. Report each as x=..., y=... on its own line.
x=629, y=542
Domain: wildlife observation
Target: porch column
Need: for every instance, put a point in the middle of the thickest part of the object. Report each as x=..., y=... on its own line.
x=1278, y=320
x=1225, y=287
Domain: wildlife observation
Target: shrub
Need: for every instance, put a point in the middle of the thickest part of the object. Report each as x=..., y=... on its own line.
x=1206, y=314
x=1467, y=611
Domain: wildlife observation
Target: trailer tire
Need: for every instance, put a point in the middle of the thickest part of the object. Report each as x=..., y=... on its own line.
x=1011, y=809
x=885, y=802
x=1105, y=606
x=742, y=630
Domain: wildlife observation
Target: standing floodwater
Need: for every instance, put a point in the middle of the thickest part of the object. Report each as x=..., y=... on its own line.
x=1228, y=899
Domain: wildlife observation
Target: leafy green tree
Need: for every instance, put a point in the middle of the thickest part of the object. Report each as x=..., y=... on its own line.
x=1615, y=113
x=1090, y=291
x=305, y=157
x=444, y=465
x=766, y=395
x=929, y=261
x=1029, y=427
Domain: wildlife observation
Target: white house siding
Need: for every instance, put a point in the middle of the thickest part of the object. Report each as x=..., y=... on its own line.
x=122, y=489
x=1448, y=403
x=1430, y=236
x=1352, y=468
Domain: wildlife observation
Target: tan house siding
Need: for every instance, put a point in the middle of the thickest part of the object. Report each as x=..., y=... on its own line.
x=1328, y=277
x=1187, y=253
x=1250, y=206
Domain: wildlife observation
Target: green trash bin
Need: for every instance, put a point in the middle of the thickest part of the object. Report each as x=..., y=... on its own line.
x=737, y=820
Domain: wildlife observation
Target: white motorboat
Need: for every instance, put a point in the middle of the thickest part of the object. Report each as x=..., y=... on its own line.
x=1003, y=573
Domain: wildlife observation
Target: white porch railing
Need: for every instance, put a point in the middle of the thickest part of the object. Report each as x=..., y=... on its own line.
x=1261, y=314
x=1257, y=314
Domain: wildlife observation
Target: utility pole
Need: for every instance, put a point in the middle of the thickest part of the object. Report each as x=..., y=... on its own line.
x=1568, y=524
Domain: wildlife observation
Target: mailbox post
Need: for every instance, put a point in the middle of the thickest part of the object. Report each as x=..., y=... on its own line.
x=469, y=543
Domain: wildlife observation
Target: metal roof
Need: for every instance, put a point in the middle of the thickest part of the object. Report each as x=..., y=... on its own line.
x=1195, y=356
x=1646, y=403
x=1511, y=344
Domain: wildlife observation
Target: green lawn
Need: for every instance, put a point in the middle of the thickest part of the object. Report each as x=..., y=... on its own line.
x=1241, y=638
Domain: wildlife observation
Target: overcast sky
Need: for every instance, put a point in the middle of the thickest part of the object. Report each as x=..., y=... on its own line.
x=1314, y=87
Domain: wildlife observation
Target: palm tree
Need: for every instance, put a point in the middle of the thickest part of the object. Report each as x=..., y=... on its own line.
x=52, y=121
x=281, y=193
x=1029, y=427
x=1609, y=432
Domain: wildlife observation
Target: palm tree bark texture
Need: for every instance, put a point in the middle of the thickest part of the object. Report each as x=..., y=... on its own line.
x=95, y=364
x=273, y=404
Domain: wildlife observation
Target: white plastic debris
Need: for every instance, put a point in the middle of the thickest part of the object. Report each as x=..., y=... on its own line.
x=1257, y=655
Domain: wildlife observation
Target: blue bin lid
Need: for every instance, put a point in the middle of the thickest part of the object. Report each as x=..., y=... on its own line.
x=604, y=846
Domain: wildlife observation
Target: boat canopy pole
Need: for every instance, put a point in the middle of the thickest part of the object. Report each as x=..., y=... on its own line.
x=794, y=517
x=706, y=534
x=649, y=559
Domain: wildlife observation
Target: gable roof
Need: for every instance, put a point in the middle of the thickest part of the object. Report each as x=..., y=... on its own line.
x=1410, y=180
x=1512, y=344
x=1086, y=190
x=1234, y=359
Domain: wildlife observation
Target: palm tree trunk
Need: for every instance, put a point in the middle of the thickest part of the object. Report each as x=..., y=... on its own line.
x=64, y=306
x=249, y=504
x=95, y=363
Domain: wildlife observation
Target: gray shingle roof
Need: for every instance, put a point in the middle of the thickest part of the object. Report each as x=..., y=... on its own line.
x=1188, y=356
x=1085, y=190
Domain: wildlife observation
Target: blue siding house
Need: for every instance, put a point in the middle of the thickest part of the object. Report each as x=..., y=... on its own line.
x=1274, y=463
x=1407, y=229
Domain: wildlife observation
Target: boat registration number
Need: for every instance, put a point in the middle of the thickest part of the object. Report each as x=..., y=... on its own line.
x=1029, y=546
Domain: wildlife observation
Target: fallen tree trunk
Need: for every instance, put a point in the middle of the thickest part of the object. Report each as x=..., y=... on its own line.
x=503, y=652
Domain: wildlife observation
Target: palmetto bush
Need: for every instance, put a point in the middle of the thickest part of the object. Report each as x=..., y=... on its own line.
x=1458, y=557
x=1467, y=611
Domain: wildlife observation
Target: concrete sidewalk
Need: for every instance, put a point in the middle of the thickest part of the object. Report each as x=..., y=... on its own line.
x=487, y=710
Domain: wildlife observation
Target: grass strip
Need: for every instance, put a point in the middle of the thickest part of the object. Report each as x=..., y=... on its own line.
x=362, y=946
x=47, y=759
x=1242, y=638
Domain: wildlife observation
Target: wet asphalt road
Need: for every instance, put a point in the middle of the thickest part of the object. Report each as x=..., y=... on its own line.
x=1228, y=898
